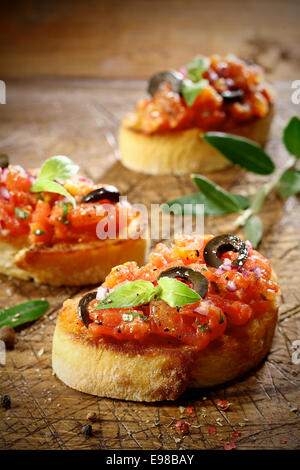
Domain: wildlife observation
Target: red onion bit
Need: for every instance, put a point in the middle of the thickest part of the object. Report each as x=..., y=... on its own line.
x=102, y=293
x=4, y=193
x=231, y=286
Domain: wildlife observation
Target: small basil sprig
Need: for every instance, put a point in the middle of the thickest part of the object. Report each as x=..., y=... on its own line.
x=250, y=156
x=23, y=313
x=194, y=83
x=134, y=293
x=55, y=168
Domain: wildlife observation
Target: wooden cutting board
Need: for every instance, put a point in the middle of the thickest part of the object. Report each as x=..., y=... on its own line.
x=80, y=118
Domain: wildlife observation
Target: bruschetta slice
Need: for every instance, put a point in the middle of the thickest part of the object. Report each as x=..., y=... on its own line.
x=160, y=338
x=164, y=133
x=45, y=237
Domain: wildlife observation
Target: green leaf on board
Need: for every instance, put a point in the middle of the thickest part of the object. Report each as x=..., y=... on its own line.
x=23, y=313
x=241, y=151
x=291, y=136
x=289, y=184
x=253, y=230
x=191, y=204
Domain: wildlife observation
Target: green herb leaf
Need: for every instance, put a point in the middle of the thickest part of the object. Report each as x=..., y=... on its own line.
x=23, y=313
x=291, y=136
x=191, y=90
x=129, y=316
x=289, y=183
x=258, y=199
x=52, y=187
x=130, y=294
x=58, y=168
x=176, y=293
x=241, y=151
x=21, y=214
x=55, y=168
x=197, y=67
x=220, y=198
x=189, y=204
x=253, y=230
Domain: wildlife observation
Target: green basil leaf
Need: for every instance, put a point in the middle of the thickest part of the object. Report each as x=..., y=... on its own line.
x=291, y=136
x=23, y=313
x=130, y=294
x=58, y=168
x=197, y=66
x=253, y=230
x=241, y=151
x=258, y=199
x=51, y=187
x=191, y=90
x=189, y=204
x=220, y=198
x=21, y=214
x=176, y=293
x=289, y=183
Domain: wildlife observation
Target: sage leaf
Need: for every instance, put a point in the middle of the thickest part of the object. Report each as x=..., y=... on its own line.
x=258, y=199
x=291, y=136
x=190, y=204
x=191, y=90
x=176, y=293
x=253, y=230
x=130, y=294
x=241, y=151
x=289, y=183
x=214, y=193
x=23, y=313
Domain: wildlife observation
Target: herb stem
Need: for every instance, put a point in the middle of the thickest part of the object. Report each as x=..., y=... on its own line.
x=268, y=187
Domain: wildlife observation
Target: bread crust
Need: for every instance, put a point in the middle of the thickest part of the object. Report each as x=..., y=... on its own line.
x=183, y=151
x=71, y=264
x=149, y=371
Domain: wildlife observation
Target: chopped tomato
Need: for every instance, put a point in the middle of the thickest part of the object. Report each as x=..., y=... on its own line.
x=167, y=111
x=47, y=217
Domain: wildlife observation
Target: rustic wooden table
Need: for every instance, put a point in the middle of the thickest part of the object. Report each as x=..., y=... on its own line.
x=80, y=118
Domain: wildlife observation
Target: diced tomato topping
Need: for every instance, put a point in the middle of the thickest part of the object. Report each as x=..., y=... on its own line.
x=47, y=217
x=167, y=111
x=251, y=293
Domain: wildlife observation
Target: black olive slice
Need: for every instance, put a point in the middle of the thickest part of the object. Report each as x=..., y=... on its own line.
x=106, y=192
x=172, y=77
x=230, y=96
x=4, y=160
x=83, y=307
x=216, y=247
x=199, y=281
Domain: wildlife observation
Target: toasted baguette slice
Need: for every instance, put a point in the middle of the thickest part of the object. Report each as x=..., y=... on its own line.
x=150, y=372
x=183, y=151
x=71, y=264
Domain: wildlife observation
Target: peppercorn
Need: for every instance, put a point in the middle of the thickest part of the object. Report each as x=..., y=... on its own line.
x=7, y=334
x=5, y=401
x=87, y=430
x=92, y=416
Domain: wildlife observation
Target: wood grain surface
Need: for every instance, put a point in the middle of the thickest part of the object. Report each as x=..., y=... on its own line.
x=80, y=118
x=135, y=38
